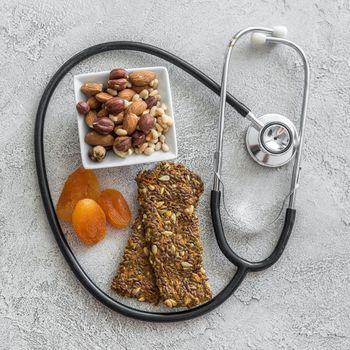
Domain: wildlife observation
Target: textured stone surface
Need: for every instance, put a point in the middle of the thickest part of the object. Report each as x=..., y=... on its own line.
x=303, y=301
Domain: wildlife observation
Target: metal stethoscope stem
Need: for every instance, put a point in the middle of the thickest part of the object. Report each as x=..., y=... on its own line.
x=252, y=118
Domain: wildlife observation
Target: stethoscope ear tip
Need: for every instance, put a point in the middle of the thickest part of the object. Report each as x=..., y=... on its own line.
x=259, y=39
x=280, y=32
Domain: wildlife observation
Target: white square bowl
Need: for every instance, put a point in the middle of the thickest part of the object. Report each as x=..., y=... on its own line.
x=111, y=159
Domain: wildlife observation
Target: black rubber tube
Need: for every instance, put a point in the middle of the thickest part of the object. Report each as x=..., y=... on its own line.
x=50, y=209
x=231, y=255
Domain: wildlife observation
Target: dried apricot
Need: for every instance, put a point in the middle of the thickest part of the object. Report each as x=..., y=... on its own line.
x=115, y=207
x=80, y=184
x=89, y=221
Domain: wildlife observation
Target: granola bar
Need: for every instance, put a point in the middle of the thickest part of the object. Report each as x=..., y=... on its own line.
x=168, y=196
x=135, y=277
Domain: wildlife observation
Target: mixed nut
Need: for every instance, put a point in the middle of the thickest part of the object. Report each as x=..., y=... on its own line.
x=127, y=116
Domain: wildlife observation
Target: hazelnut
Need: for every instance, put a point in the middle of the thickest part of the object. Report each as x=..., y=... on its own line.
x=115, y=105
x=117, y=84
x=130, y=122
x=146, y=123
x=97, y=153
x=138, y=138
x=122, y=143
x=83, y=107
x=103, y=126
x=151, y=102
x=118, y=73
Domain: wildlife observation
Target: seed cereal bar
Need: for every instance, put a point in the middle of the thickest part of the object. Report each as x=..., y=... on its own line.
x=135, y=277
x=168, y=196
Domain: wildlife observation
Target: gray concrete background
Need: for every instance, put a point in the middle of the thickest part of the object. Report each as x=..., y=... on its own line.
x=300, y=303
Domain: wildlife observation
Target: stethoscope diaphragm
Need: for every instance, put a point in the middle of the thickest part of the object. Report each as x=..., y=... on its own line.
x=274, y=144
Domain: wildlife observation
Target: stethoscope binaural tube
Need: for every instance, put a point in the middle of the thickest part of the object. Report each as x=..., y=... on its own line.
x=218, y=156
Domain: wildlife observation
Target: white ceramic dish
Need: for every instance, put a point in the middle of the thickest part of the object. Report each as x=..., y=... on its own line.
x=111, y=159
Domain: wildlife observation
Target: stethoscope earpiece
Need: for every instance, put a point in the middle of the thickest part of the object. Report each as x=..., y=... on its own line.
x=280, y=32
x=258, y=39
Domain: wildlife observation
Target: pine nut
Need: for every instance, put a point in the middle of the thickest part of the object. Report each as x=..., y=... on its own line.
x=154, y=134
x=148, y=151
x=153, y=111
x=170, y=121
x=121, y=132
x=154, y=92
x=136, y=97
x=112, y=92
x=162, y=138
x=127, y=103
x=158, y=146
x=154, y=83
x=160, y=112
x=164, y=107
x=165, y=147
x=143, y=147
x=158, y=127
x=144, y=94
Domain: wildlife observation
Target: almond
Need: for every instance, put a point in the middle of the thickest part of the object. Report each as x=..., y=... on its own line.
x=126, y=94
x=130, y=122
x=90, y=118
x=94, y=139
x=141, y=77
x=102, y=113
x=93, y=103
x=91, y=89
x=137, y=107
x=103, y=97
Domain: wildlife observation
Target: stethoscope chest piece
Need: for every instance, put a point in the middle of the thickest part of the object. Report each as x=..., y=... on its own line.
x=275, y=143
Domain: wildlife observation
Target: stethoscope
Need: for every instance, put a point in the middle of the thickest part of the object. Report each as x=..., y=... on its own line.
x=272, y=140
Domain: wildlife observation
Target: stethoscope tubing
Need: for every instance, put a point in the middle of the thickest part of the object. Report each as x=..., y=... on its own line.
x=243, y=266
x=71, y=259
